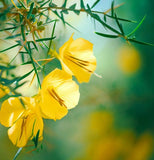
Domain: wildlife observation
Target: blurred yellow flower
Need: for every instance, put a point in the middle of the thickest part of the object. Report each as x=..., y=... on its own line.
x=143, y=148
x=77, y=58
x=3, y=90
x=129, y=59
x=24, y=119
x=58, y=94
x=106, y=142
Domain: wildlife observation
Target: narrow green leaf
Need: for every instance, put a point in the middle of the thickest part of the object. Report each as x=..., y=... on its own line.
x=13, y=58
x=11, y=24
x=139, y=42
x=7, y=68
x=136, y=27
x=53, y=31
x=95, y=16
x=35, y=139
x=56, y=13
x=119, y=25
x=62, y=18
x=49, y=22
x=25, y=63
x=107, y=35
x=23, y=32
x=88, y=8
x=40, y=42
x=52, y=4
x=105, y=17
x=120, y=19
x=9, y=48
x=8, y=96
x=18, y=152
x=82, y=4
x=72, y=7
x=44, y=3
x=22, y=4
x=35, y=46
x=112, y=8
x=22, y=57
x=24, y=76
x=20, y=85
x=45, y=39
x=64, y=4
x=23, y=52
x=30, y=55
x=64, y=11
x=13, y=36
x=72, y=26
x=7, y=81
x=22, y=102
x=95, y=3
x=76, y=12
x=33, y=128
x=10, y=28
x=30, y=10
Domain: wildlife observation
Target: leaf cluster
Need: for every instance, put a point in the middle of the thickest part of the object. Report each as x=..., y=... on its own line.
x=23, y=19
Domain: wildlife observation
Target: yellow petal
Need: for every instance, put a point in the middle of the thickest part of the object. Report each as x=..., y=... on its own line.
x=25, y=128
x=3, y=90
x=32, y=104
x=77, y=58
x=65, y=46
x=51, y=108
x=24, y=118
x=17, y=133
x=59, y=93
x=69, y=92
x=34, y=123
x=11, y=110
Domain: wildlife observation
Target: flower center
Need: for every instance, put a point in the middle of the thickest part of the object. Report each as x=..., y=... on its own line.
x=56, y=97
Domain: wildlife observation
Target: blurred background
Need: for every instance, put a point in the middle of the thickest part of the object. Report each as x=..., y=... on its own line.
x=114, y=119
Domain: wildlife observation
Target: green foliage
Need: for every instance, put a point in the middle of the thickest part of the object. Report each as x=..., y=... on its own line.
x=23, y=20
x=26, y=20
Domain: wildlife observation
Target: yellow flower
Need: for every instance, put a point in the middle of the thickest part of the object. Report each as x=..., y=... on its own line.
x=24, y=119
x=3, y=90
x=129, y=59
x=77, y=58
x=58, y=94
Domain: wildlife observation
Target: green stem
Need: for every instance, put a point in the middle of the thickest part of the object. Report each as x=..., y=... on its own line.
x=18, y=152
x=53, y=31
x=30, y=55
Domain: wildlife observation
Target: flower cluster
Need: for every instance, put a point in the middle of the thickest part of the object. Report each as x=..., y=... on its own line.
x=58, y=94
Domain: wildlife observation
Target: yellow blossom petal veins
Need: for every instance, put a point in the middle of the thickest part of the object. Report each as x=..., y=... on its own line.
x=17, y=133
x=34, y=123
x=77, y=58
x=58, y=94
x=11, y=110
x=24, y=117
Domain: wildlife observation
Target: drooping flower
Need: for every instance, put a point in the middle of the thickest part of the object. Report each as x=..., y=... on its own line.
x=24, y=119
x=77, y=58
x=58, y=94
